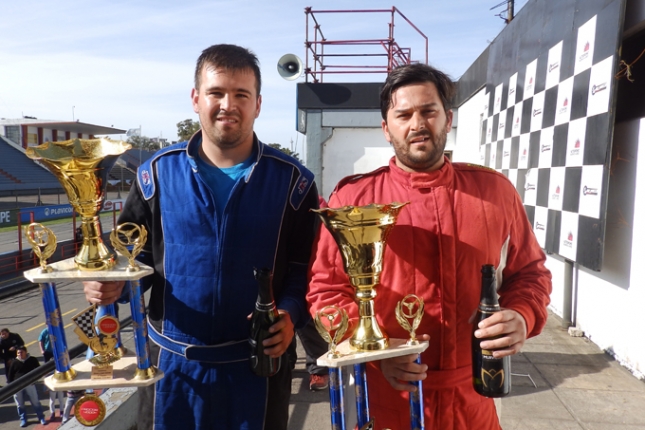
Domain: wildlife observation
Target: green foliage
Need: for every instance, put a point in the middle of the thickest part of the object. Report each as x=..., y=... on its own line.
x=144, y=143
x=186, y=128
x=286, y=151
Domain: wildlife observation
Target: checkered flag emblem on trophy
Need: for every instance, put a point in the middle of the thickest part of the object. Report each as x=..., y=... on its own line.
x=85, y=321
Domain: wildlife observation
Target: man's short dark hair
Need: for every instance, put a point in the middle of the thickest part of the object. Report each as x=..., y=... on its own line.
x=21, y=348
x=229, y=57
x=417, y=73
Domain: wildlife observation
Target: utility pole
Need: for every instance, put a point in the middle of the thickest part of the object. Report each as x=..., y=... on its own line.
x=510, y=11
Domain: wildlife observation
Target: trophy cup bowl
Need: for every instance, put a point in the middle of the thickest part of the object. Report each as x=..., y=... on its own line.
x=361, y=233
x=82, y=167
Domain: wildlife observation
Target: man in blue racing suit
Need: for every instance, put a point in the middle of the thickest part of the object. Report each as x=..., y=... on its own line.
x=216, y=207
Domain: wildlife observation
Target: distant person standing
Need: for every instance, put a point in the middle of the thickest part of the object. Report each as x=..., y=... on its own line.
x=45, y=345
x=47, y=352
x=72, y=397
x=8, y=344
x=23, y=364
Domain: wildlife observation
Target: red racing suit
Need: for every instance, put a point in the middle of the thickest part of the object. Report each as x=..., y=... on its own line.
x=459, y=218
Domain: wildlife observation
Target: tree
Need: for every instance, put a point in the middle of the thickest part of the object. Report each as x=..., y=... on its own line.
x=286, y=151
x=143, y=142
x=186, y=128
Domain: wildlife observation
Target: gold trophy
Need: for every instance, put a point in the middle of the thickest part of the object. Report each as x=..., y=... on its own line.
x=82, y=167
x=409, y=312
x=332, y=332
x=361, y=233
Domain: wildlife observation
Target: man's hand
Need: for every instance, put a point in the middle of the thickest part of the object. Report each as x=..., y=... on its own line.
x=283, y=331
x=510, y=326
x=102, y=293
x=399, y=371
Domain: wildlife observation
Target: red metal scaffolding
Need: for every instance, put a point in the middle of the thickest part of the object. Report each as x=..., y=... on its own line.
x=317, y=57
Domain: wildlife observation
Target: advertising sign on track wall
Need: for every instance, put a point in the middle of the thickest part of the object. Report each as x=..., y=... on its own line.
x=9, y=218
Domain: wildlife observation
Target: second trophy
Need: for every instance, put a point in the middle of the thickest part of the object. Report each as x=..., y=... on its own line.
x=361, y=234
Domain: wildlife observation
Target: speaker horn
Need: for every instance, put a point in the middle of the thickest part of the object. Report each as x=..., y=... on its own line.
x=290, y=67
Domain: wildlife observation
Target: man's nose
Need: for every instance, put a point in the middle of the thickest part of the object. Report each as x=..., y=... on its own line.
x=226, y=103
x=418, y=121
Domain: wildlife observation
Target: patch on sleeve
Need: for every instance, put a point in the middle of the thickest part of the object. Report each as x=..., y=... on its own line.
x=302, y=187
x=146, y=180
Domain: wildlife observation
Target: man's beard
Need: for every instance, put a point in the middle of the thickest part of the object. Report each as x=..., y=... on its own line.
x=426, y=159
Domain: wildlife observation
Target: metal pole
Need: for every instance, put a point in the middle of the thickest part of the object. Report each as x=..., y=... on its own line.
x=567, y=299
x=510, y=11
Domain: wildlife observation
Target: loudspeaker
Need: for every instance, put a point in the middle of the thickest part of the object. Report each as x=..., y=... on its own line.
x=290, y=67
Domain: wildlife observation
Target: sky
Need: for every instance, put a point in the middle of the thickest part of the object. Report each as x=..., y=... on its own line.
x=130, y=64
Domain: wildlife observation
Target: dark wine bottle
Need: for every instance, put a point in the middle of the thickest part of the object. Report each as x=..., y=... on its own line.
x=491, y=376
x=264, y=316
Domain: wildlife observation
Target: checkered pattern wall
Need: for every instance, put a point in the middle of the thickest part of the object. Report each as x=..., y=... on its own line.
x=548, y=127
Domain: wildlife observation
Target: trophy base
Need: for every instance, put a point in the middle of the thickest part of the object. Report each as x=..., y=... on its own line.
x=349, y=356
x=67, y=270
x=125, y=371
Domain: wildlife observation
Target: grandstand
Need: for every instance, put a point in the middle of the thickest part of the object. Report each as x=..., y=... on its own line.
x=20, y=175
x=125, y=169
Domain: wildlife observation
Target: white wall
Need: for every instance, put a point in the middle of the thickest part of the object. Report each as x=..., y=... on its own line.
x=350, y=151
x=469, y=130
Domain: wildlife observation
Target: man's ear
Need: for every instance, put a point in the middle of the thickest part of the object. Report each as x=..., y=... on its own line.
x=194, y=95
x=448, y=121
x=259, y=108
x=386, y=132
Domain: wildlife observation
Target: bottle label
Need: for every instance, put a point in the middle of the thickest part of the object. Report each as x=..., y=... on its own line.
x=492, y=379
x=488, y=309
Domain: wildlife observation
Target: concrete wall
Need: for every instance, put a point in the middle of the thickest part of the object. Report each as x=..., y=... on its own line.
x=350, y=151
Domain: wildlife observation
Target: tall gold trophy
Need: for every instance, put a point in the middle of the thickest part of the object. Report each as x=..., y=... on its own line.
x=361, y=233
x=82, y=167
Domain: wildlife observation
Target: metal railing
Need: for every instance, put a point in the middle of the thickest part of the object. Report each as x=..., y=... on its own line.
x=316, y=65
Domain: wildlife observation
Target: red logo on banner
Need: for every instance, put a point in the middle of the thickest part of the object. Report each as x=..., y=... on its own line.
x=570, y=237
x=577, y=145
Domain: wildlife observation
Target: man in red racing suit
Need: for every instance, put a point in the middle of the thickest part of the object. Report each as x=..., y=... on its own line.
x=459, y=217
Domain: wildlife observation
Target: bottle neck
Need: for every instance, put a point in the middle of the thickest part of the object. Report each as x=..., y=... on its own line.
x=489, y=287
x=265, y=290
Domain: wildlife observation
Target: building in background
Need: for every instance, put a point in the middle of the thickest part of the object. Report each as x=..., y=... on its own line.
x=29, y=131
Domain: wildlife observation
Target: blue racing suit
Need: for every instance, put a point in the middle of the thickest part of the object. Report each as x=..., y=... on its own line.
x=203, y=287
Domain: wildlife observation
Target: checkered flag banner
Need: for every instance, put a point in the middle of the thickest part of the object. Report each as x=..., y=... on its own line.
x=84, y=321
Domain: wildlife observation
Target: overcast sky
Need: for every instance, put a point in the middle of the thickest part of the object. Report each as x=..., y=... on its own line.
x=130, y=63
